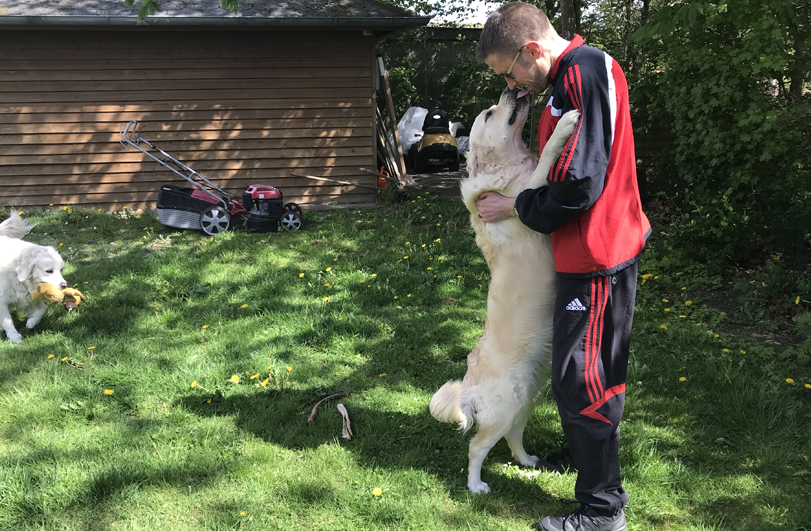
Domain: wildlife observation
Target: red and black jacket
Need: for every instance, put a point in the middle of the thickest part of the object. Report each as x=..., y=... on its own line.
x=592, y=206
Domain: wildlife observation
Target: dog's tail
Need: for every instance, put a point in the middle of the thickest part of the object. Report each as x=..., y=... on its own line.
x=15, y=226
x=446, y=405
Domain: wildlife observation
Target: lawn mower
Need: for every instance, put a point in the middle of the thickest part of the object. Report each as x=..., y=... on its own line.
x=437, y=147
x=209, y=208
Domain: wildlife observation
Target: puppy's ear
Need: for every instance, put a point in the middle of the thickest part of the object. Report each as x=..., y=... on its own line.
x=472, y=163
x=28, y=259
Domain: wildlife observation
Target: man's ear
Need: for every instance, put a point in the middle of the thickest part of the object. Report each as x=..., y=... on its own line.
x=534, y=49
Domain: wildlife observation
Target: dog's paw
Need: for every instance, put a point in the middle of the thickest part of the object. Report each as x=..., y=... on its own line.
x=567, y=122
x=531, y=461
x=32, y=322
x=479, y=487
x=14, y=336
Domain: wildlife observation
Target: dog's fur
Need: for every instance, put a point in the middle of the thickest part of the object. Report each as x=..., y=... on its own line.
x=510, y=365
x=23, y=265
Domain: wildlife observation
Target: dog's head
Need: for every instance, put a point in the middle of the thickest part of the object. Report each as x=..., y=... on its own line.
x=40, y=264
x=495, y=137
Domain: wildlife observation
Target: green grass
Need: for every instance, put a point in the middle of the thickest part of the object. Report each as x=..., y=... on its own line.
x=728, y=448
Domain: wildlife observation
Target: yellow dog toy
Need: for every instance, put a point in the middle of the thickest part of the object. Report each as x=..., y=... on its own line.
x=69, y=297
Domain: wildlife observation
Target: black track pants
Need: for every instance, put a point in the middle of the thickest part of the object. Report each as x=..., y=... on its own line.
x=593, y=319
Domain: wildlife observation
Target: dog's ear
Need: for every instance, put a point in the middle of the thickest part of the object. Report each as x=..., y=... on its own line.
x=472, y=163
x=24, y=269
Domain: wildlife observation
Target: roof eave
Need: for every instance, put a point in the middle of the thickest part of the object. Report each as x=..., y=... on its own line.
x=156, y=21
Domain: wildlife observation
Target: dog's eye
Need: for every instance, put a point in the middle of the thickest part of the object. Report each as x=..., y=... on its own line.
x=488, y=115
x=49, y=271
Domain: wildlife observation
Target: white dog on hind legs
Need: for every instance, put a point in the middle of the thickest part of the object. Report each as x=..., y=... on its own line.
x=23, y=265
x=511, y=363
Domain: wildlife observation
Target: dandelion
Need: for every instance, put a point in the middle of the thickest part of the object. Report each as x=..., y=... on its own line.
x=724, y=350
x=665, y=300
x=326, y=284
x=667, y=309
x=683, y=288
x=301, y=275
x=656, y=277
x=61, y=244
x=270, y=367
x=440, y=258
x=244, y=306
x=374, y=275
x=194, y=384
x=458, y=276
x=716, y=335
x=65, y=358
x=797, y=301
x=234, y=379
x=405, y=257
x=423, y=245
x=326, y=299
x=328, y=269
x=334, y=259
x=790, y=380
x=408, y=243
x=340, y=318
x=688, y=303
x=378, y=492
x=50, y=356
x=743, y=352
x=679, y=273
x=808, y=386
x=437, y=240
x=646, y=276
x=428, y=268
x=722, y=313
x=663, y=326
x=205, y=326
x=439, y=224
x=255, y=376
x=208, y=401
x=289, y=368
x=264, y=383
x=382, y=374
x=422, y=217
x=682, y=379
x=108, y=392
x=396, y=297
x=683, y=316
x=242, y=513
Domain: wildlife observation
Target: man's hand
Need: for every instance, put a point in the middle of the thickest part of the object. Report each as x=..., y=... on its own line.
x=493, y=207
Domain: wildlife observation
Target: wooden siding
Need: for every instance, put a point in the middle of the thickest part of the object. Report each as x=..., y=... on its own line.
x=240, y=107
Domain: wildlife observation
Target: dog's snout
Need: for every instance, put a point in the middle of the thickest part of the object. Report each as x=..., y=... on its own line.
x=63, y=285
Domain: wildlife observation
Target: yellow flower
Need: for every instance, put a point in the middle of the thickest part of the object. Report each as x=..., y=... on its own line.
x=438, y=224
x=656, y=277
x=662, y=326
x=334, y=259
x=300, y=275
x=328, y=269
x=255, y=376
x=679, y=273
x=408, y=243
x=234, y=379
x=374, y=275
x=808, y=386
x=340, y=318
x=108, y=392
x=270, y=367
x=205, y=326
x=194, y=383
x=361, y=281
x=682, y=379
x=65, y=358
x=264, y=383
x=405, y=257
x=50, y=356
x=725, y=350
x=242, y=513
x=683, y=288
x=428, y=268
x=382, y=374
x=437, y=240
x=683, y=316
x=326, y=284
x=723, y=313
x=743, y=352
x=244, y=306
x=423, y=245
x=423, y=217
x=717, y=335
x=326, y=299
x=688, y=303
x=289, y=368
x=396, y=297
x=667, y=309
x=790, y=380
x=458, y=276
x=61, y=244
x=440, y=258
x=408, y=295
x=665, y=300
x=646, y=276
x=377, y=492
x=797, y=300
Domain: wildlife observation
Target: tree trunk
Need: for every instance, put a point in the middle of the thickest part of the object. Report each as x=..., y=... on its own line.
x=568, y=19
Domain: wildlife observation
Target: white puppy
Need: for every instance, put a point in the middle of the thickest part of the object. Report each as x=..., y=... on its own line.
x=23, y=265
x=512, y=361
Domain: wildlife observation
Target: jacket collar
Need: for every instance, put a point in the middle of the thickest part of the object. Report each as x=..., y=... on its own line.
x=575, y=42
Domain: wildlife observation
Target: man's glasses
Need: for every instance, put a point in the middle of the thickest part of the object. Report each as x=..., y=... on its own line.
x=508, y=74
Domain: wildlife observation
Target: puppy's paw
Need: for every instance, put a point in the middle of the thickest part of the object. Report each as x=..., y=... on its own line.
x=478, y=487
x=531, y=461
x=567, y=122
x=32, y=322
x=14, y=336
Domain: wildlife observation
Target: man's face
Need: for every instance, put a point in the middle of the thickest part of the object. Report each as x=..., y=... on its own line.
x=530, y=71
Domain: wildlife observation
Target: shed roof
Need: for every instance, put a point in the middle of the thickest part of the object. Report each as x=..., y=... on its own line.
x=347, y=13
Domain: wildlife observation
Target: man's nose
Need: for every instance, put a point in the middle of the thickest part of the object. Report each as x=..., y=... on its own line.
x=511, y=83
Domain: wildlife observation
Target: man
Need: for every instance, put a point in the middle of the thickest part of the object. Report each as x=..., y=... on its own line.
x=592, y=208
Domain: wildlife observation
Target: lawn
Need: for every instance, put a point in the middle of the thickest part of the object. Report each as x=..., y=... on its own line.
x=123, y=414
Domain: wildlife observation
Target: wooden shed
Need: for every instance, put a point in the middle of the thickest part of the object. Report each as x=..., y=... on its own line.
x=247, y=97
